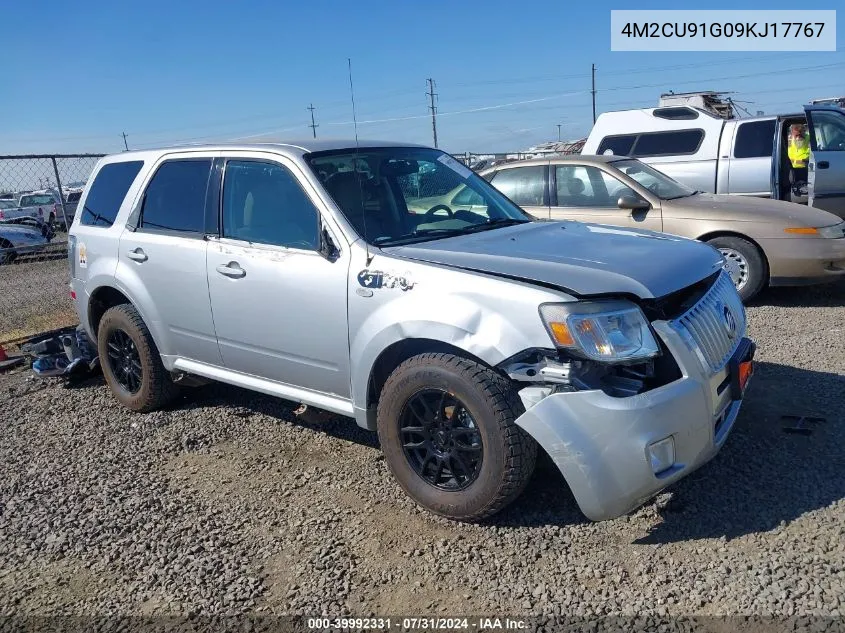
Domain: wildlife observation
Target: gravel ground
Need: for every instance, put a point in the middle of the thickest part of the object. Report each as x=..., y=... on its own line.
x=228, y=503
x=34, y=294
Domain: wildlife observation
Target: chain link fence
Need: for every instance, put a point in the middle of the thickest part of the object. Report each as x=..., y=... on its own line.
x=38, y=199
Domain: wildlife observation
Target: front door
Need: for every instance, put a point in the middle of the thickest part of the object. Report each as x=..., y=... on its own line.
x=826, y=169
x=279, y=305
x=588, y=194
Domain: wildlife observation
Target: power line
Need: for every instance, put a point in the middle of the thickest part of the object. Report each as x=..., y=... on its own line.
x=313, y=125
x=431, y=94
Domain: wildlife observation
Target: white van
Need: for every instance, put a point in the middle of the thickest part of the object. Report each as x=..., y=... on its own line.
x=731, y=156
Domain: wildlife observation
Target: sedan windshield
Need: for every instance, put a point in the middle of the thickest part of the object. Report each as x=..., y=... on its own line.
x=657, y=182
x=400, y=195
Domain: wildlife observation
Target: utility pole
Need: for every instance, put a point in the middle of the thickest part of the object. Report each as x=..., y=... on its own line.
x=431, y=94
x=125, y=144
x=594, y=93
x=558, y=132
x=313, y=125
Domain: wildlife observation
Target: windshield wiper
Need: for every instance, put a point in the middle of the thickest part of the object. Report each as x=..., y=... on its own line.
x=684, y=195
x=494, y=224
x=426, y=234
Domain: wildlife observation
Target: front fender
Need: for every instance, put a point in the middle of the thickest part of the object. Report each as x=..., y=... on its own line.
x=465, y=324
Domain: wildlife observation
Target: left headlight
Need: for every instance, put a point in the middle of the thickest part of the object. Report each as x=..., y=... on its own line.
x=833, y=232
x=604, y=331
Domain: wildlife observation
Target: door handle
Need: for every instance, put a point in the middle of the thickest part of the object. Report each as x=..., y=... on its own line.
x=137, y=255
x=232, y=269
x=823, y=164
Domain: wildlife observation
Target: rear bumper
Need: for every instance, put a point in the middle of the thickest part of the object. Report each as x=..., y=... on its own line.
x=600, y=443
x=802, y=261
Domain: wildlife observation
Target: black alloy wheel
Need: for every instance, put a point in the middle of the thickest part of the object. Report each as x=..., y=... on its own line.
x=125, y=361
x=441, y=440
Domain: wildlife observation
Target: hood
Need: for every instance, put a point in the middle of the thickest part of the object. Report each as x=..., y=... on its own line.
x=708, y=206
x=584, y=259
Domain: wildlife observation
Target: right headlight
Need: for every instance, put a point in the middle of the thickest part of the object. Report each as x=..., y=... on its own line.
x=604, y=331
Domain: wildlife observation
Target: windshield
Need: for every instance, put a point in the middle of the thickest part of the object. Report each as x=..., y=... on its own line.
x=657, y=182
x=400, y=195
x=7, y=204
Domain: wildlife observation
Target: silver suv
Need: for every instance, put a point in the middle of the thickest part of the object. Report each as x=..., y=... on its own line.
x=467, y=335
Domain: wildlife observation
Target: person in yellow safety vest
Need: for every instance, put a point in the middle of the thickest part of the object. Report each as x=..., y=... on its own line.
x=799, y=146
x=799, y=155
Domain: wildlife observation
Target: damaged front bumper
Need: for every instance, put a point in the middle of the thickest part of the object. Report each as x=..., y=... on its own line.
x=615, y=452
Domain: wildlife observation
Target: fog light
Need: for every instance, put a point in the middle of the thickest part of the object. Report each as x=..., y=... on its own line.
x=661, y=454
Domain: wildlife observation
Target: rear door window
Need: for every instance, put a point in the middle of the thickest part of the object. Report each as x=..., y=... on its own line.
x=175, y=198
x=754, y=139
x=526, y=186
x=108, y=191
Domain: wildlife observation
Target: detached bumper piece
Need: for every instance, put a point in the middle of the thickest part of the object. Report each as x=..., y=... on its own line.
x=68, y=352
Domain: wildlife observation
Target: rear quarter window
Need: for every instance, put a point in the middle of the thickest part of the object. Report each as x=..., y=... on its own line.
x=108, y=191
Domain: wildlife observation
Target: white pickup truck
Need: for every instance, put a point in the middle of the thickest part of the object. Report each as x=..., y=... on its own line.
x=44, y=205
x=746, y=157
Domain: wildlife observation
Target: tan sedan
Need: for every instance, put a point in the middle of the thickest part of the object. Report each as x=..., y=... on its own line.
x=764, y=242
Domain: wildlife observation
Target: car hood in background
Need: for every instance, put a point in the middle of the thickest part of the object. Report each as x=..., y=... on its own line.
x=19, y=234
x=586, y=259
x=708, y=206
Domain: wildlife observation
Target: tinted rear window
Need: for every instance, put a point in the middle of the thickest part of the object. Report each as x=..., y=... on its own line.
x=107, y=192
x=175, y=197
x=755, y=139
x=618, y=145
x=668, y=143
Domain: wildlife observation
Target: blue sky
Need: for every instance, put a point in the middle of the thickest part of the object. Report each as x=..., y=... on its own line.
x=506, y=72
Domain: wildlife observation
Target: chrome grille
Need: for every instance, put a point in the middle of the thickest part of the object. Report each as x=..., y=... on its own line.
x=708, y=323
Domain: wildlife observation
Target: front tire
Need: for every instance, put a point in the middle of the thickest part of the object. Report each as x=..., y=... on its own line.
x=447, y=428
x=744, y=263
x=131, y=362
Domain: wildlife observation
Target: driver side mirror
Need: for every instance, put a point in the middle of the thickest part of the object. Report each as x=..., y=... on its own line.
x=327, y=246
x=633, y=203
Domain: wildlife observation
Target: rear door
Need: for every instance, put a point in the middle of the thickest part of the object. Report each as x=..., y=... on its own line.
x=162, y=257
x=527, y=186
x=826, y=169
x=588, y=194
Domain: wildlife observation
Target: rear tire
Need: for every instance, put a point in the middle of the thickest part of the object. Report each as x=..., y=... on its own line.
x=745, y=264
x=479, y=459
x=131, y=362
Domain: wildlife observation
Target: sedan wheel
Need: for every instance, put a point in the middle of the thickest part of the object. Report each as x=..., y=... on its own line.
x=736, y=266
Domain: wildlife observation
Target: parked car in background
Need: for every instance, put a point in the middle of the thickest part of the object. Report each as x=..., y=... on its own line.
x=764, y=242
x=22, y=236
x=465, y=339
x=746, y=157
